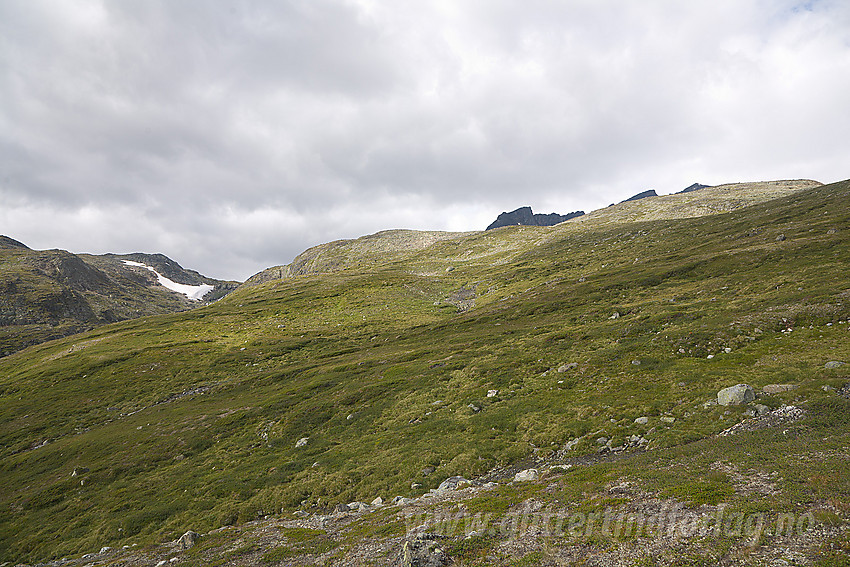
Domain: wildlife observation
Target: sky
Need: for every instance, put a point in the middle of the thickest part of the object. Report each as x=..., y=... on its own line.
x=233, y=135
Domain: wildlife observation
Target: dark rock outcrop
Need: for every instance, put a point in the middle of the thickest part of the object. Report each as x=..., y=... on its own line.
x=525, y=216
x=644, y=195
x=6, y=242
x=694, y=187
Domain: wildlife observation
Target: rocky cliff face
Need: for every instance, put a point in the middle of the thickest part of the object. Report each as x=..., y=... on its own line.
x=526, y=217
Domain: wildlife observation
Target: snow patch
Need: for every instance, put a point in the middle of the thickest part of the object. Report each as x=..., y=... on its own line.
x=193, y=292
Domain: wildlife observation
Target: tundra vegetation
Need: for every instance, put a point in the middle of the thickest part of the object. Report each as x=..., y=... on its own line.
x=135, y=432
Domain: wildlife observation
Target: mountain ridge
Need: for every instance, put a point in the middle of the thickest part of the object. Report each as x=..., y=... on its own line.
x=48, y=294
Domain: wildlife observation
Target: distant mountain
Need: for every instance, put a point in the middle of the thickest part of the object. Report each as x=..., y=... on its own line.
x=48, y=294
x=525, y=216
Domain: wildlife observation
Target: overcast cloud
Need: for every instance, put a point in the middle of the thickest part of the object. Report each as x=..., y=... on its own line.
x=231, y=136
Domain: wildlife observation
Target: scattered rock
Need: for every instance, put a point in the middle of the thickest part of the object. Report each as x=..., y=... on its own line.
x=79, y=470
x=301, y=442
x=779, y=416
x=341, y=508
x=357, y=506
x=834, y=364
x=415, y=486
x=492, y=393
x=602, y=441
x=474, y=408
x=188, y=539
x=780, y=238
x=668, y=419
x=527, y=475
x=569, y=366
x=643, y=420
x=636, y=362
x=736, y=395
x=104, y=550
x=377, y=502
x=616, y=315
x=709, y=404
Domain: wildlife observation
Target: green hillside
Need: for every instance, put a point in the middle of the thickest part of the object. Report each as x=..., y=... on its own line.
x=191, y=420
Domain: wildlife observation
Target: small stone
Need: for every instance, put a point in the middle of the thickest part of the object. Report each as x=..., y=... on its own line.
x=780, y=238
x=710, y=356
x=569, y=366
x=834, y=364
x=301, y=442
x=668, y=419
x=643, y=420
x=736, y=395
x=526, y=475
x=341, y=508
x=777, y=388
x=105, y=550
x=474, y=408
x=636, y=362
x=727, y=350
x=415, y=486
x=602, y=441
x=616, y=315
x=79, y=470
x=492, y=393
x=761, y=409
x=428, y=470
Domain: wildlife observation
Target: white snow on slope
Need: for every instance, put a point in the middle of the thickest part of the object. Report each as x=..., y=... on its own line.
x=193, y=292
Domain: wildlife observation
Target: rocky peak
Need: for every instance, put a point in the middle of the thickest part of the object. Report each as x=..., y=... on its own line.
x=525, y=216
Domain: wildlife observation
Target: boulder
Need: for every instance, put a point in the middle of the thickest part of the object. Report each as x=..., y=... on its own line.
x=834, y=364
x=423, y=550
x=188, y=539
x=526, y=475
x=492, y=393
x=377, y=502
x=642, y=420
x=453, y=483
x=736, y=395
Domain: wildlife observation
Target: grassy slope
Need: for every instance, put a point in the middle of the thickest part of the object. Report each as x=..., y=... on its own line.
x=295, y=358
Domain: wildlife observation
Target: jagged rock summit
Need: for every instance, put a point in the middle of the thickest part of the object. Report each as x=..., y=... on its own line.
x=525, y=216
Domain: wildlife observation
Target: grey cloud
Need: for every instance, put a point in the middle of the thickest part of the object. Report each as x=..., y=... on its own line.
x=240, y=133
